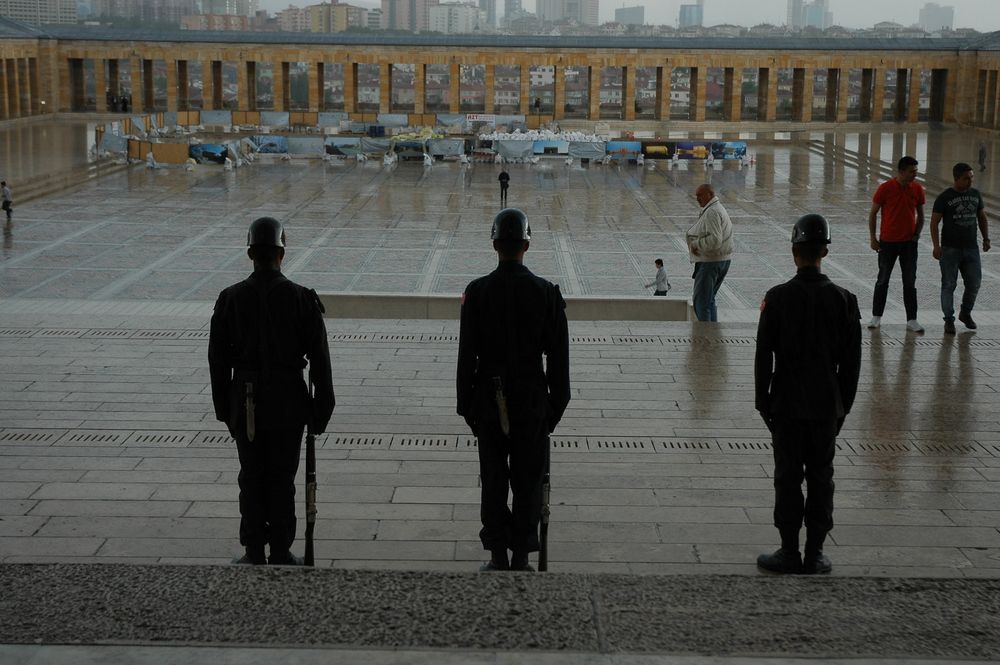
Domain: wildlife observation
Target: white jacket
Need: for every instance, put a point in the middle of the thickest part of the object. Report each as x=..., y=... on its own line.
x=711, y=235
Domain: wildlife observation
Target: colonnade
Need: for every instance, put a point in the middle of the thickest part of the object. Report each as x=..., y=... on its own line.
x=19, y=88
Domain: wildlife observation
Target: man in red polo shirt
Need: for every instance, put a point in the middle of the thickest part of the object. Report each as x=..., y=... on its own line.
x=901, y=201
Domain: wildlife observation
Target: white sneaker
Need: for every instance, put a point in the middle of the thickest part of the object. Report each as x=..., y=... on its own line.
x=914, y=326
x=875, y=322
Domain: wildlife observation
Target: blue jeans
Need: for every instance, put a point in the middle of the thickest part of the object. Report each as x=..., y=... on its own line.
x=954, y=260
x=708, y=278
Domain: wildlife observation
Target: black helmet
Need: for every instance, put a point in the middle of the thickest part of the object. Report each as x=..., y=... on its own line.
x=511, y=224
x=266, y=232
x=811, y=228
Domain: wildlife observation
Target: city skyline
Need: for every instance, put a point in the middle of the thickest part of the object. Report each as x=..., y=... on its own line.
x=983, y=15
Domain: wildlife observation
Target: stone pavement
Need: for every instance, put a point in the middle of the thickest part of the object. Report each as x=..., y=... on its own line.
x=109, y=451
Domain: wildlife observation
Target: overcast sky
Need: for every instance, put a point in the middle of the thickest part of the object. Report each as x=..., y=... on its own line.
x=984, y=15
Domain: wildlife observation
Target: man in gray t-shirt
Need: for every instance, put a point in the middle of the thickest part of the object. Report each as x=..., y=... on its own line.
x=959, y=210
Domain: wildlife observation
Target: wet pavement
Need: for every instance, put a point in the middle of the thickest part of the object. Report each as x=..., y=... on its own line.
x=109, y=451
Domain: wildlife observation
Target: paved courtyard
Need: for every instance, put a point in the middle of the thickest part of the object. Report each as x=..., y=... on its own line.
x=109, y=451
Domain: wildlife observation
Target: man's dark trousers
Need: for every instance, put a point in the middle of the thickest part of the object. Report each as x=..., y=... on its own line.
x=517, y=460
x=804, y=449
x=888, y=252
x=268, y=466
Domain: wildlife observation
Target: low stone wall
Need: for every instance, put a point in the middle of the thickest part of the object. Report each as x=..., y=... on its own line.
x=407, y=306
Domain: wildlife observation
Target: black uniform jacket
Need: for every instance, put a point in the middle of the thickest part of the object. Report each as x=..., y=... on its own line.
x=808, y=349
x=263, y=329
x=510, y=318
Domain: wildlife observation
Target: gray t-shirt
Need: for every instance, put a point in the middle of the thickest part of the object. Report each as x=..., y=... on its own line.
x=959, y=217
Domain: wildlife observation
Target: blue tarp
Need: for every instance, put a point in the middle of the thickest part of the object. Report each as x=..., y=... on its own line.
x=581, y=150
x=336, y=145
x=113, y=143
x=332, y=119
x=446, y=147
x=514, y=149
x=393, y=119
x=449, y=119
x=170, y=119
x=305, y=145
x=274, y=118
x=139, y=124
x=270, y=143
x=216, y=117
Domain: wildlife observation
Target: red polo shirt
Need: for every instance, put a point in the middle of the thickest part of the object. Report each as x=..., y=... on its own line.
x=899, y=209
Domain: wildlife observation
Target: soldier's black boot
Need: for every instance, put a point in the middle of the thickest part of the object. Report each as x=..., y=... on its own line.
x=498, y=561
x=520, y=563
x=253, y=556
x=815, y=562
x=285, y=558
x=787, y=562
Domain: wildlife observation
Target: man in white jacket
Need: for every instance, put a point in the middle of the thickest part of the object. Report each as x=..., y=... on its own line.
x=710, y=243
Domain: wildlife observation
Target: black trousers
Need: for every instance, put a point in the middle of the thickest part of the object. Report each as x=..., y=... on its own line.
x=906, y=252
x=267, y=487
x=515, y=463
x=804, y=449
x=503, y=192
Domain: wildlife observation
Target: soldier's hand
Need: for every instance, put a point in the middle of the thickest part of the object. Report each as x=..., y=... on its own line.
x=472, y=425
x=986, y=244
x=875, y=244
x=937, y=252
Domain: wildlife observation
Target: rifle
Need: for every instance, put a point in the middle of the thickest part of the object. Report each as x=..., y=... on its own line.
x=308, y=558
x=543, y=538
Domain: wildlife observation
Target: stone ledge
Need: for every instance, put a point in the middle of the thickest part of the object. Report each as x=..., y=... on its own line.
x=407, y=306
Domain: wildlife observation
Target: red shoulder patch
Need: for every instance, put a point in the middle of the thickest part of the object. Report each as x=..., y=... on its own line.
x=763, y=304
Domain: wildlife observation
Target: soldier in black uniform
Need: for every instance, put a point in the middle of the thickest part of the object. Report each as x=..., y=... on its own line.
x=263, y=329
x=806, y=376
x=510, y=319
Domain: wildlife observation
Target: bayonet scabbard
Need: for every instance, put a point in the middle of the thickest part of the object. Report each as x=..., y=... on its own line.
x=250, y=407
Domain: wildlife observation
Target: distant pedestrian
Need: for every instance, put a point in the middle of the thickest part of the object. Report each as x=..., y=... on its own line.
x=901, y=201
x=710, y=242
x=806, y=377
x=982, y=155
x=961, y=209
x=661, y=282
x=504, y=179
x=8, y=199
x=538, y=105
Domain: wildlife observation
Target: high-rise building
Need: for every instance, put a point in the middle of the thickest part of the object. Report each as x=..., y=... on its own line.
x=586, y=12
x=815, y=14
x=795, y=11
x=490, y=8
x=934, y=17
x=38, y=12
x=375, y=19
x=455, y=18
x=409, y=15
x=631, y=15
x=692, y=16
x=236, y=7
x=511, y=7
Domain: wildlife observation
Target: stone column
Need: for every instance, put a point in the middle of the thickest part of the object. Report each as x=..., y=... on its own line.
x=628, y=92
x=902, y=93
x=100, y=85
x=218, y=98
x=663, y=93
x=279, y=85
x=420, y=88
x=698, y=86
x=767, y=84
x=148, y=90
x=832, y=94
x=208, y=85
x=878, y=96
x=559, y=92
x=802, y=94
x=732, y=96
x=913, y=95
x=525, y=81
x=13, y=89
x=4, y=95
x=989, y=114
x=843, y=95
x=114, y=77
x=490, y=81
x=135, y=84
x=33, y=86
x=350, y=70
x=594, y=93
x=243, y=86
x=182, y=86
x=316, y=85
x=77, y=86
x=172, y=85
x=455, y=88
x=385, y=88
x=23, y=86
x=867, y=83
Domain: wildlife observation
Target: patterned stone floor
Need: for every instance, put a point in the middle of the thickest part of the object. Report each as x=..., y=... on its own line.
x=109, y=452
